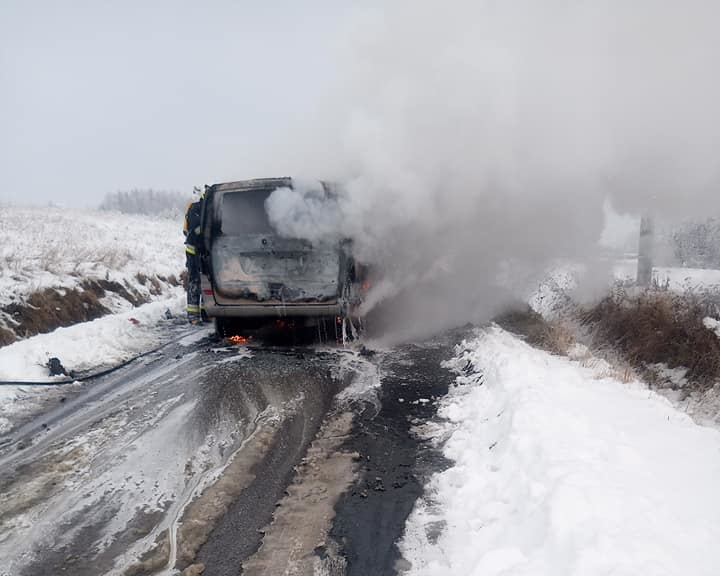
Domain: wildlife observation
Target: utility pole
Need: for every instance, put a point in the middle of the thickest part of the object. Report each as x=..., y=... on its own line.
x=645, y=251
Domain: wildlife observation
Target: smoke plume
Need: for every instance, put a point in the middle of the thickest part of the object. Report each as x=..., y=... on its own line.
x=476, y=141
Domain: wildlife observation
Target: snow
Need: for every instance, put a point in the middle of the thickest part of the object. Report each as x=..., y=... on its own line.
x=241, y=353
x=366, y=376
x=677, y=279
x=561, y=470
x=47, y=247
x=712, y=324
x=687, y=278
x=567, y=282
x=551, y=293
x=674, y=378
x=91, y=345
x=88, y=346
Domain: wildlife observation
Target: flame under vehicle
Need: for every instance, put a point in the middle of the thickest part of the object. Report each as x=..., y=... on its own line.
x=251, y=275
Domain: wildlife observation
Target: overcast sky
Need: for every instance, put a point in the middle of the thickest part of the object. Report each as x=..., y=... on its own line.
x=101, y=95
x=552, y=102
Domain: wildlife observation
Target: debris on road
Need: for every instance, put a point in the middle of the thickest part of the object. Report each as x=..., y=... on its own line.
x=56, y=368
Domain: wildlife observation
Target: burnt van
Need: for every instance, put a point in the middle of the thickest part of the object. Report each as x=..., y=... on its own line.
x=252, y=275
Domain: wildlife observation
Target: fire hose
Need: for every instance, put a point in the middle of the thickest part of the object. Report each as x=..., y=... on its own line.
x=93, y=375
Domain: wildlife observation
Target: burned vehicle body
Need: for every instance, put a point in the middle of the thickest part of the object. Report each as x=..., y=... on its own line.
x=251, y=273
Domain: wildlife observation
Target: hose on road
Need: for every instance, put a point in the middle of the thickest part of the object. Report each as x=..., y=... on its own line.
x=98, y=374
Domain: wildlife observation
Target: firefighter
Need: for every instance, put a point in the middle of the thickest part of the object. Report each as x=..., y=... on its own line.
x=193, y=243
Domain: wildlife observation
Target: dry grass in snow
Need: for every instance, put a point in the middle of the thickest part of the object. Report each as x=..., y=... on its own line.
x=660, y=328
x=60, y=266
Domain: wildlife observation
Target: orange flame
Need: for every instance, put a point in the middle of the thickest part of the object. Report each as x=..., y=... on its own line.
x=240, y=339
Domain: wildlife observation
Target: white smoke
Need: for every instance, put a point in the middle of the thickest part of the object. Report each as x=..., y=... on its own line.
x=305, y=211
x=467, y=135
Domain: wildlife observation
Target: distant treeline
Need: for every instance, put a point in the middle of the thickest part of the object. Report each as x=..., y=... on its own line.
x=150, y=202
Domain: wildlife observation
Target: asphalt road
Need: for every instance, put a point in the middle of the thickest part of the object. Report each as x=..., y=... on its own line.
x=209, y=456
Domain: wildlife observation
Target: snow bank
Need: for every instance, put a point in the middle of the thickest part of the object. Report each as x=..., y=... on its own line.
x=561, y=472
x=88, y=346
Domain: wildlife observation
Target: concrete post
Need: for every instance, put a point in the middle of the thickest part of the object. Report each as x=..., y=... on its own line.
x=645, y=251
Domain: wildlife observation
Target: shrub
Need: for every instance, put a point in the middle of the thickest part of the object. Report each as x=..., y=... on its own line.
x=554, y=336
x=657, y=326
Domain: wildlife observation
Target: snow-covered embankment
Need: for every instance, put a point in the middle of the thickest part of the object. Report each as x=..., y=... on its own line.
x=561, y=470
x=61, y=266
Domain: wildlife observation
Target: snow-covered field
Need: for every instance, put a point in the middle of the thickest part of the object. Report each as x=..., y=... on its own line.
x=562, y=470
x=47, y=247
x=678, y=279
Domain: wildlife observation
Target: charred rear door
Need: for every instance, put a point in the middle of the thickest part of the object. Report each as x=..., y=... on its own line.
x=251, y=263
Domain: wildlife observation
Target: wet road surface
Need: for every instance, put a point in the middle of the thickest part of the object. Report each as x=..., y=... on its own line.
x=395, y=462
x=209, y=456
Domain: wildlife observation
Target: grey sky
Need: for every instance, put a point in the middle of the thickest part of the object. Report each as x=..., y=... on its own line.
x=515, y=101
x=102, y=95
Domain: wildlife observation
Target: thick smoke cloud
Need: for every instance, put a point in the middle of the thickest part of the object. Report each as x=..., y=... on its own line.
x=478, y=140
